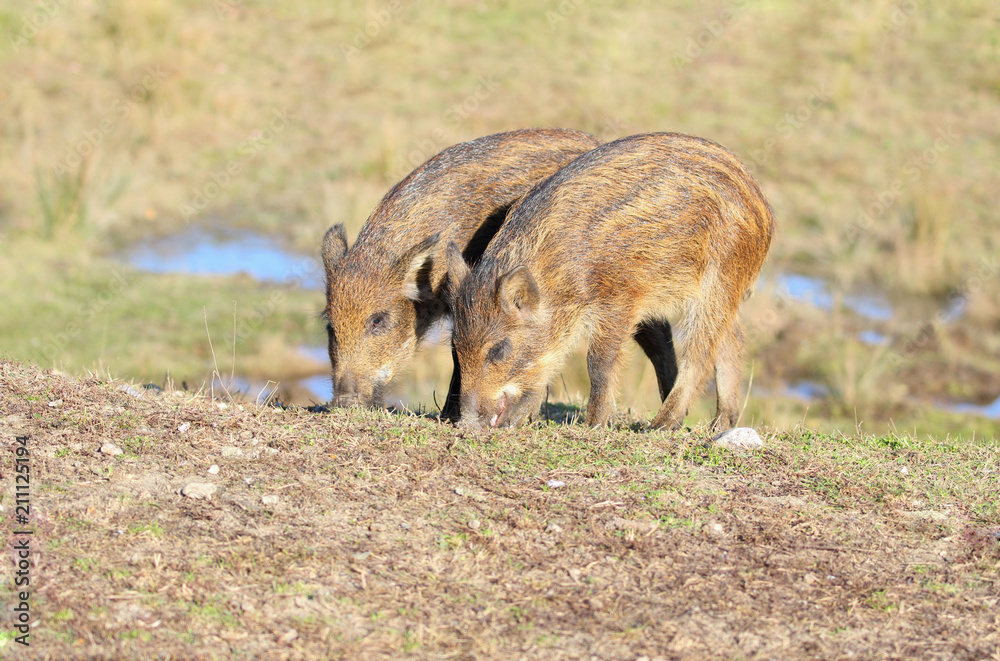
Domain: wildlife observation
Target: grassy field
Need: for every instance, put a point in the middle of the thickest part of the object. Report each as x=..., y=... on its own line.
x=867, y=526
x=362, y=534
x=873, y=128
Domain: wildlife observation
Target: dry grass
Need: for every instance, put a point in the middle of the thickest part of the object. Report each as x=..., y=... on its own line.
x=873, y=129
x=394, y=536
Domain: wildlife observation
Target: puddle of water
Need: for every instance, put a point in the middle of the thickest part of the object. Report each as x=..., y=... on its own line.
x=219, y=250
x=259, y=392
x=214, y=249
x=810, y=390
x=316, y=353
x=805, y=289
x=873, y=337
x=319, y=386
x=991, y=410
x=873, y=305
x=807, y=390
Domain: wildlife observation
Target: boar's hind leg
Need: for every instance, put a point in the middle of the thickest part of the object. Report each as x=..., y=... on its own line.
x=657, y=342
x=728, y=374
x=604, y=358
x=452, y=403
x=704, y=324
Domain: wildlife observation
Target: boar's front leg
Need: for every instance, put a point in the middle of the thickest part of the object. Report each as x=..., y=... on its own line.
x=603, y=363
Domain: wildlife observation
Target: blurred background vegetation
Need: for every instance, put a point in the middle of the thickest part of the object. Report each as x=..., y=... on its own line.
x=874, y=128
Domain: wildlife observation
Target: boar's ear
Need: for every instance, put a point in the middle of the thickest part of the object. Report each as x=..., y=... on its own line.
x=519, y=293
x=458, y=270
x=334, y=246
x=415, y=267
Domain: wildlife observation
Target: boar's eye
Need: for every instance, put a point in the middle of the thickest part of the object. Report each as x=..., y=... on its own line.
x=378, y=323
x=498, y=352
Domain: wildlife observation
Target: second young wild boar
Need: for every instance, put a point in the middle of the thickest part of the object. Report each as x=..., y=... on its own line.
x=639, y=230
x=384, y=293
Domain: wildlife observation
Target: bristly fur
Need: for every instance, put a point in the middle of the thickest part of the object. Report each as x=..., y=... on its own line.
x=384, y=292
x=634, y=232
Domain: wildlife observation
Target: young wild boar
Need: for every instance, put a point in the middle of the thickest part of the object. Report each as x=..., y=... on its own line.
x=384, y=292
x=638, y=230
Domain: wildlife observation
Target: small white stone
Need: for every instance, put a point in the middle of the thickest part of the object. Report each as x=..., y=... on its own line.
x=56, y=402
x=739, y=438
x=111, y=448
x=213, y=469
x=474, y=524
x=199, y=490
x=904, y=470
x=555, y=484
x=183, y=428
x=269, y=499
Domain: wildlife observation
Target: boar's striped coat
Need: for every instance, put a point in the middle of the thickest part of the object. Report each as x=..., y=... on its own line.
x=639, y=230
x=384, y=292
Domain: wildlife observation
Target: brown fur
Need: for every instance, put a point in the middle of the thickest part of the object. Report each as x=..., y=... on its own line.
x=637, y=230
x=385, y=292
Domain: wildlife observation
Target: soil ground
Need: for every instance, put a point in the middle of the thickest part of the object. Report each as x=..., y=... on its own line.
x=359, y=534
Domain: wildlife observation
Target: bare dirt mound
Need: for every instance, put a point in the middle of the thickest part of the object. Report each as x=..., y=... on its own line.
x=163, y=524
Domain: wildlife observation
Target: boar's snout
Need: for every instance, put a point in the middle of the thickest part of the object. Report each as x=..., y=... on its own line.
x=346, y=401
x=346, y=393
x=476, y=416
x=470, y=413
